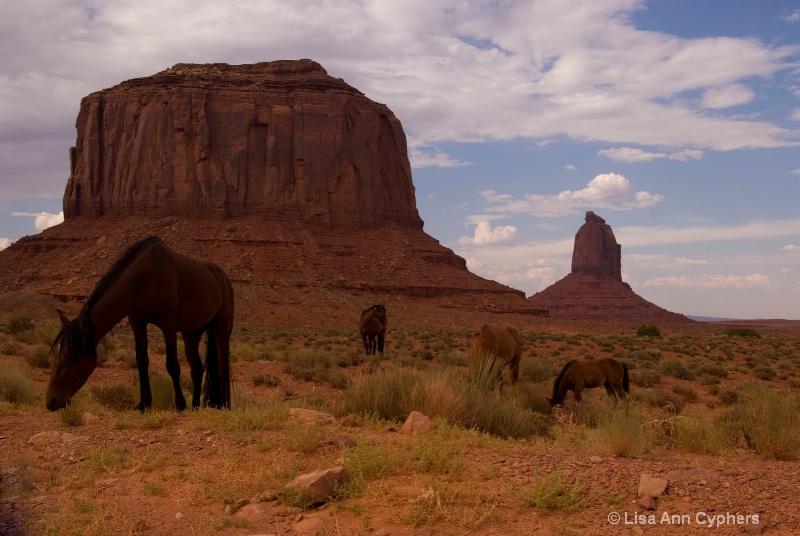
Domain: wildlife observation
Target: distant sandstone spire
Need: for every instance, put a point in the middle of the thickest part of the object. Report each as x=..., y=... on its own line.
x=596, y=250
x=594, y=289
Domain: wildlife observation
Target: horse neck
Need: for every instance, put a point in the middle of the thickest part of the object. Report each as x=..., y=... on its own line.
x=110, y=307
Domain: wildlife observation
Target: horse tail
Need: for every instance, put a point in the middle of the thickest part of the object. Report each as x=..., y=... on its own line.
x=217, y=392
x=557, y=383
x=625, y=378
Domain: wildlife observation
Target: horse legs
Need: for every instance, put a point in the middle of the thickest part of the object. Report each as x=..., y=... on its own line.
x=366, y=340
x=142, y=364
x=221, y=331
x=577, y=392
x=609, y=389
x=191, y=344
x=173, y=366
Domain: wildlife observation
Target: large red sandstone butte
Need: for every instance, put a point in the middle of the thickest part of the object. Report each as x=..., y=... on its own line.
x=297, y=184
x=594, y=289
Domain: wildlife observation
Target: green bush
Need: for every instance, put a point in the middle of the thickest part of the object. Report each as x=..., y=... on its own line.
x=18, y=324
x=677, y=369
x=742, y=332
x=648, y=330
x=40, y=358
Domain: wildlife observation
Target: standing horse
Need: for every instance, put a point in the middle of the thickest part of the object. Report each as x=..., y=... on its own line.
x=492, y=348
x=579, y=375
x=372, y=327
x=151, y=284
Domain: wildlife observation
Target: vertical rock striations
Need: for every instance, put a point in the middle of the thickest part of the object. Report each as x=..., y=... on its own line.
x=281, y=139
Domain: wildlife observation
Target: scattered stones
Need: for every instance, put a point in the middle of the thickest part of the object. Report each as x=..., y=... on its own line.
x=310, y=416
x=319, y=486
x=416, y=423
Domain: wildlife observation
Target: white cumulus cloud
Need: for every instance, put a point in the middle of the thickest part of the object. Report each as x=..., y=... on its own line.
x=713, y=281
x=725, y=97
x=485, y=235
x=4, y=243
x=42, y=220
x=609, y=191
x=629, y=154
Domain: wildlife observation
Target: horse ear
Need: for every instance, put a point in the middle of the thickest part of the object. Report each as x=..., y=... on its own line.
x=63, y=317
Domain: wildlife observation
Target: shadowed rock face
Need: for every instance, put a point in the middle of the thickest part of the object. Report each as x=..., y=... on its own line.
x=281, y=139
x=594, y=290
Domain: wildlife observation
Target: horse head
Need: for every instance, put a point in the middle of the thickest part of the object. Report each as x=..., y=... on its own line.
x=74, y=359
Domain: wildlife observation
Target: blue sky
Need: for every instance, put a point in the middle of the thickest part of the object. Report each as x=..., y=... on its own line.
x=678, y=121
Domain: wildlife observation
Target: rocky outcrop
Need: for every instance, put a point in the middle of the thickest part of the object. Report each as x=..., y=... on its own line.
x=291, y=180
x=280, y=139
x=596, y=250
x=594, y=290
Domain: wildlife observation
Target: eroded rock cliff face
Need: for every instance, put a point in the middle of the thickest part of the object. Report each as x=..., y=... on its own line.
x=280, y=139
x=293, y=181
x=594, y=289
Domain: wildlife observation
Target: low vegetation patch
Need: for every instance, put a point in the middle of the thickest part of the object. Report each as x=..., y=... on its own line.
x=16, y=384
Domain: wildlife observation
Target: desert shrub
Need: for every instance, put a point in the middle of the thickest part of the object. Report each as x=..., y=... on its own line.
x=392, y=394
x=16, y=384
x=312, y=365
x=645, y=378
x=454, y=358
x=18, y=324
x=648, y=330
x=552, y=492
x=163, y=392
x=748, y=333
x=646, y=356
x=764, y=372
x=39, y=358
x=115, y=397
x=713, y=369
x=270, y=380
x=663, y=400
x=70, y=416
x=685, y=392
x=693, y=435
x=622, y=432
x=677, y=369
x=536, y=370
x=765, y=420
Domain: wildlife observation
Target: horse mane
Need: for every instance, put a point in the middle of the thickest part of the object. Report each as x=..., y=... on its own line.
x=560, y=377
x=68, y=340
x=113, y=272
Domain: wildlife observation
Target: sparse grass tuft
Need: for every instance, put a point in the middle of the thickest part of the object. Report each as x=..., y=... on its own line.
x=16, y=384
x=553, y=492
x=115, y=397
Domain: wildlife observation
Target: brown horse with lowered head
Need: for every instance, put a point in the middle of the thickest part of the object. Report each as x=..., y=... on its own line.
x=372, y=326
x=579, y=375
x=151, y=284
x=493, y=348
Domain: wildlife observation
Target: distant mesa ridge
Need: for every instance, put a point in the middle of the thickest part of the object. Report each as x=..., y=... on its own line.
x=297, y=184
x=594, y=289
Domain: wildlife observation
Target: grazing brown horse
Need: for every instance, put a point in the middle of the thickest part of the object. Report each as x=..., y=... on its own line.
x=151, y=284
x=372, y=327
x=579, y=375
x=496, y=346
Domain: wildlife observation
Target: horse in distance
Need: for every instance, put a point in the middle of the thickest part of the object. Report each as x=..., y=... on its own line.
x=492, y=349
x=372, y=326
x=579, y=375
x=152, y=284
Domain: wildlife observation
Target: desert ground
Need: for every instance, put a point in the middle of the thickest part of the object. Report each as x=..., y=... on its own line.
x=712, y=410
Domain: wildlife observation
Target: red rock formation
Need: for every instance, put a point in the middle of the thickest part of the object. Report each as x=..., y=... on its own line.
x=594, y=290
x=596, y=250
x=293, y=181
x=282, y=139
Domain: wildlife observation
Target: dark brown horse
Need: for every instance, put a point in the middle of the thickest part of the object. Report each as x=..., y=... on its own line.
x=492, y=348
x=151, y=284
x=372, y=327
x=579, y=375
